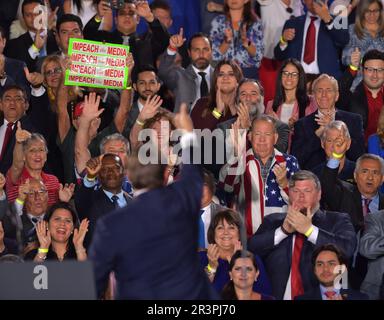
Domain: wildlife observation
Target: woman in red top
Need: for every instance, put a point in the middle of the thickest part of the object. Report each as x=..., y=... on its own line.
x=29, y=157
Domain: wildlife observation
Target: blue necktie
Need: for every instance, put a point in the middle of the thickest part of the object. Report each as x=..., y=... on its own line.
x=115, y=199
x=201, y=238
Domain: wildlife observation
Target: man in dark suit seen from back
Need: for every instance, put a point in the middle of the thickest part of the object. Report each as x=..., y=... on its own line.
x=151, y=244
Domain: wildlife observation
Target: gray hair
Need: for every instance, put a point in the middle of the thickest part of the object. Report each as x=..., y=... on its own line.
x=34, y=137
x=302, y=175
x=116, y=137
x=338, y=125
x=267, y=118
x=328, y=77
x=370, y=156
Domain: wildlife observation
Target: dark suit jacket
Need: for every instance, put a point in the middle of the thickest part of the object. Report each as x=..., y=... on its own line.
x=306, y=146
x=92, y=204
x=355, y=102
x=329, y=42
x=342, y=196
x=6, y=161
x=145, y=48
x=151, y=244
x=18, y=49
x=349, y=294
x=334, y=227
x=15, y=69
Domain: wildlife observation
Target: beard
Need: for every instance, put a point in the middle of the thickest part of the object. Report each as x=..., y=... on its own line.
x=255, y=109
x=201, y=63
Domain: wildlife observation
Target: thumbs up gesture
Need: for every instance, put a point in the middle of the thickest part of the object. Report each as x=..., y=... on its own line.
x=21, y=135
x=34, y=78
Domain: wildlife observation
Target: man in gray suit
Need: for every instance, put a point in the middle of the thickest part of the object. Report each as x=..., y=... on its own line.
x=372, y=247
x=191, y=83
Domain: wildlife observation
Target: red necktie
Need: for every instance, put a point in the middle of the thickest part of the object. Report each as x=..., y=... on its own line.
x=296, y=283
x=329, y=294
x=310, y=41
x=8, y=134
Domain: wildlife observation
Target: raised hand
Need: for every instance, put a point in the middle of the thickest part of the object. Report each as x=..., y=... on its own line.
x=237, y=246
x=355, y=57
x=36, y=79
x=91, y=107
x=40, y=40
x=52, y=18
x=321, y=9
x=21, y=135
x=220, y=106
x=103, y=9
x=243, y=116
x=3, y=41
x=143, y=10
x=288, y=34
x=280, y=171
x=24, y=190
x=151, y=107
x=66, y=192
x=79, y=234
x=182, y=119
x=291, y=122
x=213, y=255
x=93, y=166
x=43, y=234
x=243, y=34
x=177, y=40
x=300, y=222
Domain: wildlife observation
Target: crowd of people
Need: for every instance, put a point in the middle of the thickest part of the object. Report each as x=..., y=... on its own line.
x=243, y=160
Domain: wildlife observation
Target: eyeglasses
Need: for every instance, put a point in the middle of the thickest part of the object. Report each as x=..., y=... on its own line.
x=40, y=193
x=56, y=70
x=288, y=74
x=372, y=70
x=375, y=11
x=13, y=99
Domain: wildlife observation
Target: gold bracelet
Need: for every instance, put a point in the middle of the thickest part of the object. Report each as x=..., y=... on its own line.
x=282, y=41
x=353, y=68
x=97, y=19
x=19, y=201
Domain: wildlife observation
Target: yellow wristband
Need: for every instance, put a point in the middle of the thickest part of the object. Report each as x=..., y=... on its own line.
x=140, y=123
x=217, y=114
x=210, y=269
x=41, y=250
x=309, y=232
x=97, y=19
x=19, y=201
x=337, y=155
x=90, y=178
x=282, y=41
x=353, y=68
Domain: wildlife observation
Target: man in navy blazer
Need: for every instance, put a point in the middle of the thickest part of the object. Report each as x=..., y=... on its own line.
x=151, y=243
x=306, y=142
x=324, y=261
x=276, y=237
x=330, y=37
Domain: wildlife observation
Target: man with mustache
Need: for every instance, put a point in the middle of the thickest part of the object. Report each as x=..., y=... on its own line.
x=192, y=83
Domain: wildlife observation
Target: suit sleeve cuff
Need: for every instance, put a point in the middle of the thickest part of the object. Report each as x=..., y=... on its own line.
x=333, y=163
x=313, y=236
x=37, y=92
x=170, y=52
x=33, y=54
x=87, y=183
x=279, y=236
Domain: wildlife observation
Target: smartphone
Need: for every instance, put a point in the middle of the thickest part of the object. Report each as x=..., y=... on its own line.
x=116, y=4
